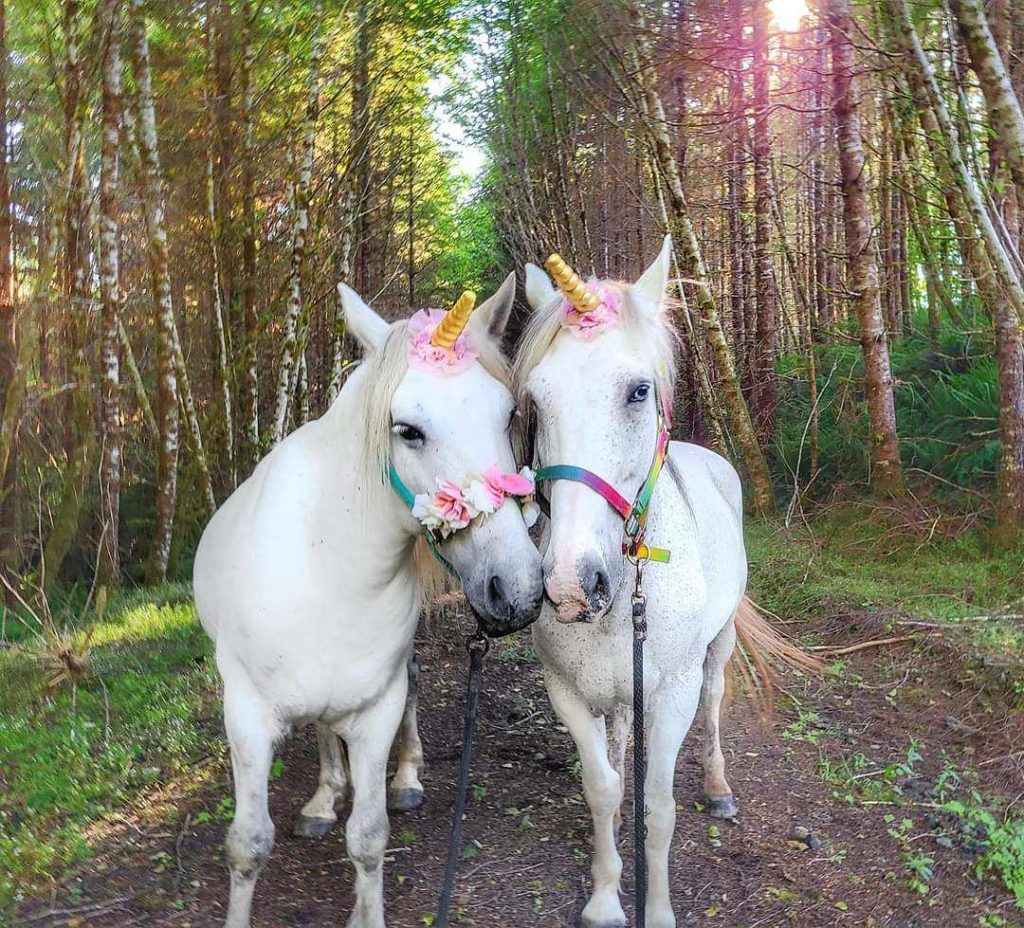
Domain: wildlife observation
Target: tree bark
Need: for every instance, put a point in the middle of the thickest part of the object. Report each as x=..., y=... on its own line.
x=349, y=217
x=1004, y=108
x=300, y=234
x=8, y=333
x=884, y=449
x=109, y=563
x=215, y=212
x=167, y=378
x=250, y=372
x=766, y=339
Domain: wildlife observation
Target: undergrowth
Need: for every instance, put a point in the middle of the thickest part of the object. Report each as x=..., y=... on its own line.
x=946, y=411
x=141, y=713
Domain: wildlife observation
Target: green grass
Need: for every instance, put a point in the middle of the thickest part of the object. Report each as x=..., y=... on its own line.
x=142, y=714
x=862, y=558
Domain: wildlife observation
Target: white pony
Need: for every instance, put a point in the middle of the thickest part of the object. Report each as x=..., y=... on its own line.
x=306, y=579
x=592, y=370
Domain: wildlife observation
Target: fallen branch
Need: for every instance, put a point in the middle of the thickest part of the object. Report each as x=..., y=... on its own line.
x=876, y=643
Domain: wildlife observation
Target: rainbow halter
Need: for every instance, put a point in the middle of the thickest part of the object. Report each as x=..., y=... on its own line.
x=634, y=515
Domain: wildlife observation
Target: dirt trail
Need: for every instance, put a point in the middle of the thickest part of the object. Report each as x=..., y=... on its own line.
x=530, y=826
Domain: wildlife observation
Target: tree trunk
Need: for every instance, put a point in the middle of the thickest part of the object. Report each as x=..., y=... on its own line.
x=1004, y=108
x=8, y=335
x=1004, y=294
x=300, y=234
x=250, y=372
x=692, y=265
x=884, y=449
x=109, y=564
x=349, y=218
x=214, y=213
x=766, y=339
x=167, y=379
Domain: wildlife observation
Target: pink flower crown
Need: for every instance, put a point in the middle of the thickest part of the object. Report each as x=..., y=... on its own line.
x=431, y=359
x=586, y=324
x=454, y=505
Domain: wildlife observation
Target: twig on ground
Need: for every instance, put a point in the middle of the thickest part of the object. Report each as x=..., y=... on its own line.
x=876, y=643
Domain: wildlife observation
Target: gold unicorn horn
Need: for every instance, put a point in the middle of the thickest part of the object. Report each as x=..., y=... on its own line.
x=569, y=283
x=454, y=321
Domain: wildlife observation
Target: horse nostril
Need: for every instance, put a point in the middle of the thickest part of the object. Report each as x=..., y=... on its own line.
x=496, y=592
x=596, y=584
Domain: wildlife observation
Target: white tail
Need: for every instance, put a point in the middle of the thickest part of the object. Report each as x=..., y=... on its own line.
x=758, y=646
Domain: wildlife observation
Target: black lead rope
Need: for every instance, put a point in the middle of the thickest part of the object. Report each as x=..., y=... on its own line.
x=639, y=601
x=477, y=645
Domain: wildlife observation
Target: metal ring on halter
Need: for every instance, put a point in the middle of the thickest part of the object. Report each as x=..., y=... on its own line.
x=478, y=641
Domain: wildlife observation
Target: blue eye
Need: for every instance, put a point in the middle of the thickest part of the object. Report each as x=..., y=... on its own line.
x=640, y=394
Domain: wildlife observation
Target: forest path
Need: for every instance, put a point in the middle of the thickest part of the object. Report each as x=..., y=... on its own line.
x=531, y=827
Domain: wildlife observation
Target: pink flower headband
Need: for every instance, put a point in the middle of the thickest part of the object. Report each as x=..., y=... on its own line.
x=587, y=308
x=588, y=323
x=454, y=505
x=438, y=341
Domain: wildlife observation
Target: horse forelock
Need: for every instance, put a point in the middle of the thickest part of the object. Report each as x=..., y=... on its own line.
x=657, y=331
x=385, y=370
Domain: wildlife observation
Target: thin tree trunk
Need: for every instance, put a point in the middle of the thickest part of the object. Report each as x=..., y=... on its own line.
x=79, y=425
x=217, y=237
x=349, y=216
x=692, y=265
x=300, y=233
x=109, y=563
x=167, y=378
x=138, y=386
x=8, y=334
x=884, y=449
x=766, y=339
x=250, y=371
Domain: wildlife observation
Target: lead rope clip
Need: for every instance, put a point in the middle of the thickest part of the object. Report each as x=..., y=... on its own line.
x=639, y=601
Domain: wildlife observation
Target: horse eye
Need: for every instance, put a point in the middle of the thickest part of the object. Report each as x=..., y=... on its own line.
x=408, y=433
x=512, y=419
x=640, y=393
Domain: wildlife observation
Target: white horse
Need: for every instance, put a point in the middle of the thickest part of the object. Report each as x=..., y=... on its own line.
x=593, y=368
x=306, y=578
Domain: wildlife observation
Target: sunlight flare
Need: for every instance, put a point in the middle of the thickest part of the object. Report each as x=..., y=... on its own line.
x=788, y=14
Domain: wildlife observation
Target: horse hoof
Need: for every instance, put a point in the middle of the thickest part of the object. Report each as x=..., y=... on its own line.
x=722, y=807
x=308, y=827
x=603, y=911
x=404, y=800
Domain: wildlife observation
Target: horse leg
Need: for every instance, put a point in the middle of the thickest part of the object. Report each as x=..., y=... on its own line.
x=406, y=791
x=603, y=791
x=618, y=737
x=717, y=792
x=251, y=731
x=369, y=738
x=670, y=721
x=319, y=814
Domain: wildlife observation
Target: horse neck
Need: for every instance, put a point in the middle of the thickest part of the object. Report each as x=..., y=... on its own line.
x=360, y=505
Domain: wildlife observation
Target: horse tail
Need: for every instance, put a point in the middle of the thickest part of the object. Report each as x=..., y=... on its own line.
x=758, y=647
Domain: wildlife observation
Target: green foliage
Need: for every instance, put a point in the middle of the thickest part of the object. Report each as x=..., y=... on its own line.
x=946, y=411
x=135, y=721
x=1002, y=856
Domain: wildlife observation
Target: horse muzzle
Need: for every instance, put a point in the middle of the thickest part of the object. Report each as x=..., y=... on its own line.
x=584, y=593
x=510, y=604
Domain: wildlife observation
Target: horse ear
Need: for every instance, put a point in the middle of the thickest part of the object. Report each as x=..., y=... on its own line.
x=654, y=280
x=491, y=317
x=368, y=328
x=539, y=291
